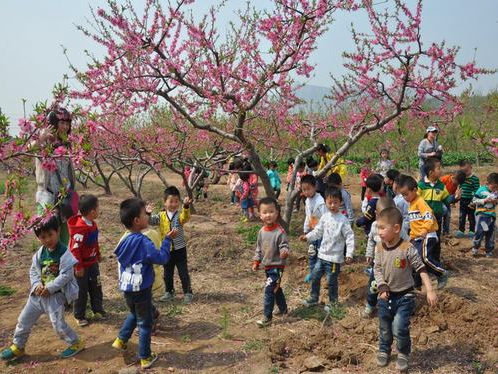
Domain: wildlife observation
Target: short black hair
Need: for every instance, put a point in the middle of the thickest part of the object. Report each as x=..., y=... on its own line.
x=399, y=179
x=463, y=163
x=460, y=176
x=308, y=179
x=492, y=178
x=323, y=148
x=244, y=176
x=269, y=201
x=334, y=180
x=392, y=174
x=273, y=163
x=130, y=209
x=409, y=182
x=51, y=224
x=430, y=164
x=311, y=162
x=301, y=165
x=374, y=182
x=171, y=191
x=333, y=192
x=87, y=203
x=290, y=161
x=384, y=150
x=392, y=215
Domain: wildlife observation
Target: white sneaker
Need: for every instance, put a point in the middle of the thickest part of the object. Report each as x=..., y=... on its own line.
x=475, y=251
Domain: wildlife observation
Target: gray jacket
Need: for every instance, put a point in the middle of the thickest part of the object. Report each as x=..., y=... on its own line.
x=425, y=148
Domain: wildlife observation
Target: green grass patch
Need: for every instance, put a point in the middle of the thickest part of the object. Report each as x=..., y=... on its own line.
x=317, y=313
x=174, y=310
x=224, y=323
x=253, y=346
x=249, y=233
x=185, y=338
x=6, y=290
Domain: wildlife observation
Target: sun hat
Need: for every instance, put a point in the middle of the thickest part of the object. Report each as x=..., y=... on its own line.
x=432, y=129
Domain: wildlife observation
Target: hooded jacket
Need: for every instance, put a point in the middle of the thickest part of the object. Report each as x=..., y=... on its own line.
x=136, y=255
x=83, y=241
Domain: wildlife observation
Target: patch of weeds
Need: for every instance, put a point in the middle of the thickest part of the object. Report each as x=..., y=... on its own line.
x=249, y=232
x=253, y=346
x=185, y=338
x=245, y=309
x=274, y=370
x=337, y=312
x=174, y=310
x=306, y=313
x=6, y=290
x=479, y=368
x=224, y=323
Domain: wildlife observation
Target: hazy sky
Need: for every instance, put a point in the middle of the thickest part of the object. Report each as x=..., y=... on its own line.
x=32, y=32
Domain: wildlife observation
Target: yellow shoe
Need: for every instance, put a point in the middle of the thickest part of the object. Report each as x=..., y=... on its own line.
x=73, y=349
x=146, y=363
x=119, y=344
x=12, y=353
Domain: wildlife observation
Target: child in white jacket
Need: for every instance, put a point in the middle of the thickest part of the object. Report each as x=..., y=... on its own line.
x=335, y=230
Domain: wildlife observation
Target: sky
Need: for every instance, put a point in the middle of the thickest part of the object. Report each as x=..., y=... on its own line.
x=33, y=31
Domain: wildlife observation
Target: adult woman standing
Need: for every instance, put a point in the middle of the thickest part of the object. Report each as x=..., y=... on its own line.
x=50, y=180
x=429, y=147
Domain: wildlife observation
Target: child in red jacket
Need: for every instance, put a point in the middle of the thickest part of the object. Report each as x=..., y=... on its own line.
x=84, y=246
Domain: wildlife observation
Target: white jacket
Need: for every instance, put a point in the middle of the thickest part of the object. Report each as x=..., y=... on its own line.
x=314, y=207
x=336, y=232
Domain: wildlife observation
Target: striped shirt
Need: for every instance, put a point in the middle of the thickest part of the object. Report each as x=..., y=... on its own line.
x=434, y=194
x=488, y=208
x=166, y=224
x=469, y=187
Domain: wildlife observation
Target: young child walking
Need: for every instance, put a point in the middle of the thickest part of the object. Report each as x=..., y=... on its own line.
x=168, y=219
x=395, y=262
x=315, y=208
x=136, y=255
x=272, y=250
x=486, y=199
x=274, y=177
x=84, y=245
x=52, y=285
x=335, y=232
x=244, y=191
x=423, y=231
x=469, y=188
x=365, y=172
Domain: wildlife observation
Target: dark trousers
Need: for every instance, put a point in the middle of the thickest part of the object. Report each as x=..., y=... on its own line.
x=332, y=270
x=233, y=198
x=363, y=191
x=141, y=316
x=394, y=322
x=277, y=192
x=466, y=211
x=488, y=222
x=426, y=249
x=179, y=259
x=89, y=284
x=437, y=246
x=371, y=295
x=273, y=292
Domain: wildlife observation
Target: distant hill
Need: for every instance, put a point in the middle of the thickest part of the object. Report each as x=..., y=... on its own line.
x=314, y=96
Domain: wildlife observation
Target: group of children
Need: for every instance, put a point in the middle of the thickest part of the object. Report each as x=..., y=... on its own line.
x=402, y=218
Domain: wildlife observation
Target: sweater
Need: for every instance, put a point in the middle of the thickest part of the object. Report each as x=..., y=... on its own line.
x=434, y=194
x=315, y=208
x=482, y=208
x=469, y=187
x=393, y=269
x=383, y=166
x=166, y=224
x=374, y=239
x=425, y=147
x=136, y=254
x=421, y=219
x=83, y=241
x=403, y=207
x=274, y=179
x=272, y=241
x=335, y=231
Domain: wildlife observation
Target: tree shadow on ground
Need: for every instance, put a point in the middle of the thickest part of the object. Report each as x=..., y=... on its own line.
x=197, y=330
x=427, y=360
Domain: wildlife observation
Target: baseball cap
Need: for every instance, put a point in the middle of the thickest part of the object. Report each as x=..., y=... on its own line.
x=431, y=129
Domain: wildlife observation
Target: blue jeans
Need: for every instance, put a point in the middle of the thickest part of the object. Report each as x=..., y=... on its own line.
x=312, y=259
x=273, y=292
x=332, y=270
x=233, y=198
x=371, y=296
x=488, y=235
x=394, y=321
x=141, y=315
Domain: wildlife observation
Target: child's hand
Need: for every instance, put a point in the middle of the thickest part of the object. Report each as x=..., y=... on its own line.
x=187, y=201
x=172, y=234
x=79, y=273
x=432, y=298
x=149, y=208
x=46, y=135
x=284, y=255
x=255, y=266
x=368, y=260
x=384, y=295
x=38, y=289
x=44, y=292
x=303, y=238
x=349, y=260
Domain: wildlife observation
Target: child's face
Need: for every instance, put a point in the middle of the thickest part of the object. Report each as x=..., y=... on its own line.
x=467, y=169
x=268, y=214
x=388, y=181
x=308, y=189
x=273, y=167
x=333, y=203
x=93, y=214
x=49, y=239
x=172, y=203
x=388, y=232
x=493, y=187
x=63, y=128
x=384, y=155
x=436, y=173
x=408, y=195
x=141, y=222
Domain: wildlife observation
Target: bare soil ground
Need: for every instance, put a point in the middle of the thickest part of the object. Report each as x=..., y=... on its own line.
x=217, y=332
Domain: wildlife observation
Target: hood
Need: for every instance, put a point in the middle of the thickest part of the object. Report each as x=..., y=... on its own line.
x=77, y=225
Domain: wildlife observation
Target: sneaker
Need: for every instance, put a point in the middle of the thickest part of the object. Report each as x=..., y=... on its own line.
x=310, y=302
x=146, y=363
x=307, y=278
x=119, y=344
x=168, y=296
x=100, y=315
x=459, y=234
x=244, y=220
x=402, y=362
x=442, y=280
x=281, y=313
x=265, y=322
x=187, y=298
x=73, y=349
x=475, y=252
x=471, y=234
x=367, y=312
x=81, y=322
x=489, y=254
x=12, y=353
x=382, y=359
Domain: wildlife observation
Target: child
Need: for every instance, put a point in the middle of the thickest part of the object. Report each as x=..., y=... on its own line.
x=232, y=182
x=395, y=262
x=374, y=185
x=315, y=208
x=469, y=188
x=485, y=200
x=335, y=231
x=52, y=285
x=136, y=255
x=402, y=205
x=274, y=178
x=272, y=250
x=452, y=183
x=243, y=188
x=290, y=170
x=297, y=186
x=168, y=220
x=372, y=241
x=365, y=172
x=423, y=228
x=320, y=184
x=391, y=175
x=199, y=177
x=84, y=245
x=335, y=180
x=384, y=163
